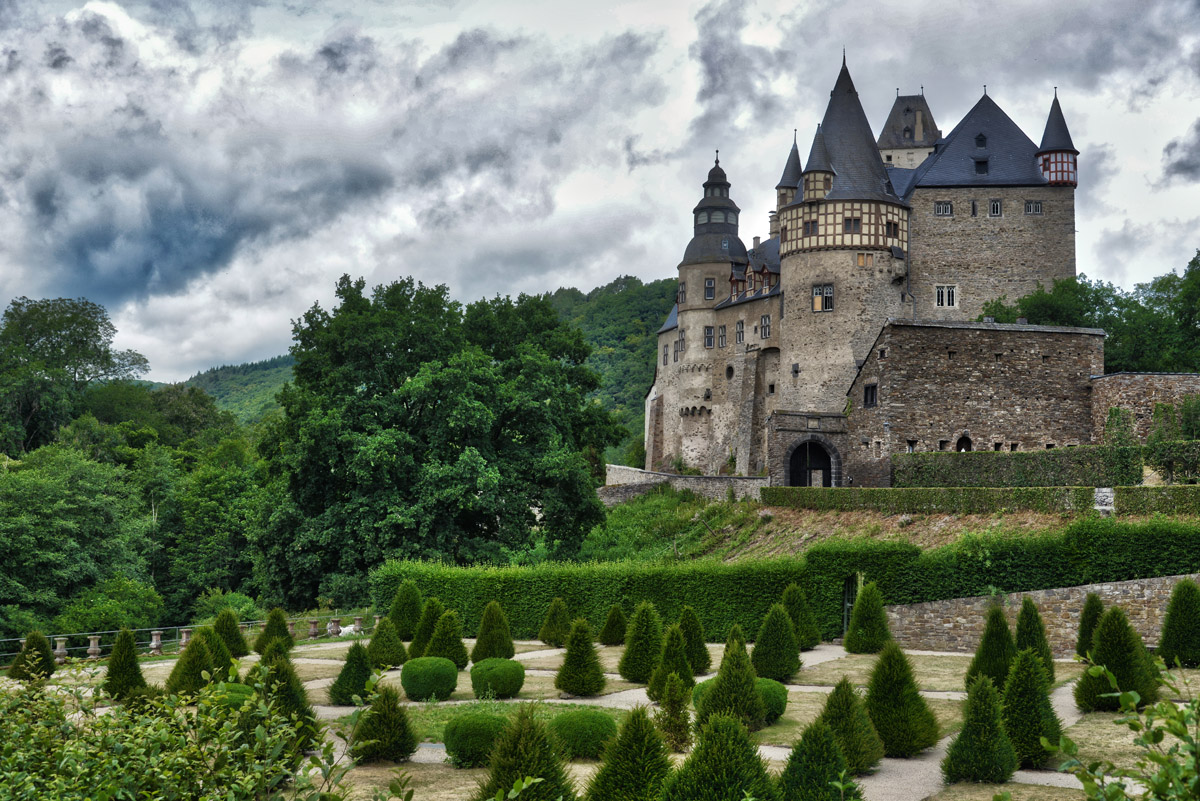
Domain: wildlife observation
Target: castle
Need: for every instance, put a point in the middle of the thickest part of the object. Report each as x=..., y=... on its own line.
x=847, y=335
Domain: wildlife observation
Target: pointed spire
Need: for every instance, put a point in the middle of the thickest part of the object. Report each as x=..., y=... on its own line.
x=792, y=170
x=818, y=156
x=1056, y=135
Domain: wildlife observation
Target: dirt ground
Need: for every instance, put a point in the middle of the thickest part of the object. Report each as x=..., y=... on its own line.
x=1020, y=792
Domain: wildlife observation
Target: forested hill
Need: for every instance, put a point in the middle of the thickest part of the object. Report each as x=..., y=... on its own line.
x=246, y=390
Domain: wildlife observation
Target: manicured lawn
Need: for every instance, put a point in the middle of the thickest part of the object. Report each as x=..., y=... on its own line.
x=803, y=708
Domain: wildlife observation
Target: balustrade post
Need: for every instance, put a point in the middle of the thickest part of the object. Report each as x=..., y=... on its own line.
x=60, y=650
x=185, y=636
x=156, y=643
x=358, y=625
x=291, y=626
x=314, y=629
x=93, y=650
x=377, y=619
x=334, y=628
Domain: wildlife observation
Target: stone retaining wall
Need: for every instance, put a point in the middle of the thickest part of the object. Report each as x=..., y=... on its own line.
x=957, y=624
x=715, y=487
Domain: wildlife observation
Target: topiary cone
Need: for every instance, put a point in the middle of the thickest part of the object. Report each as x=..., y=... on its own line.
x=223, y=665
x=815, y=762
x=123, y=674
x=525, y=749
x=1118, y=647
x=1180, y=638
x=1093, y=608
x=643, y=644
x=1026, y=711
x=613, y=632
x=808, y=634
x=385, y=649
x=405, y=611
x=635, y=763
x=352, y=680
x=187, y=677
x=430, y=614
x=776, y=653
x=1031, y=633
x=494, y=640
x=996, y=650
x=384, y=732
x=557, y=625
x=276, y=627
x=287, y=692
x=982, y=751
x=672, y=718
x=226, y=627
x=900, y=715
x=35, y=660
x=868, y=629
x=693, y=637
x=672, y=660
x=852, y=728
x=734, y=692
x=724, y=765
x=580, y=673
x=447, y=641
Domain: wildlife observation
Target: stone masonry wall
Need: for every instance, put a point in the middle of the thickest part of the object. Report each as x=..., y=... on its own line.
x=1138, y=392
x=715, y=487
x=957, y=624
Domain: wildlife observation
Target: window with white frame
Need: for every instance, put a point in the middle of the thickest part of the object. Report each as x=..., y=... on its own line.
x=947, y=295
x=710, y=288
x=721, y=337
x=943, y=208
x=666, y=350
x=739, y=332
x=1033, y=207
x=764, y=326
x=822, y=297
x=995, y=208
x=708, y=336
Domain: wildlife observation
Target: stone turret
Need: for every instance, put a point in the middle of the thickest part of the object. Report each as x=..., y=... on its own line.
x=789, y=183
x=1057, y=154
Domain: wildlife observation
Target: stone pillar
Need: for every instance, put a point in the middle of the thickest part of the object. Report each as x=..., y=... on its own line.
x=358, y=625
x=156, y=643
x=291, y=624
x=185, y=636
x=60, y=650
x=377, y=619
x=245, y=627
x=314, y=629
x=334, y=627
x=93, y=651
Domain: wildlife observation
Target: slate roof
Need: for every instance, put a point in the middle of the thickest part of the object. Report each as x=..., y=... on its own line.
x=709, y=248
x=904, y=115
x=792, y=171
x=1011, y=155
x=818, y=155
x=767, y=253
x=672, y=320
x=1056, y=136
x=901, y=178
x=748, y=296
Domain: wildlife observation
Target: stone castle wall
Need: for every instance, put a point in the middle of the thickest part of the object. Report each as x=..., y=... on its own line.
x=714, y=487
x=1138, y=392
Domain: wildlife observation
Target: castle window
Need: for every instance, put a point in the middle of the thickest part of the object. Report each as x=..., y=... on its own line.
x=908, y=133
x=702, y=218
x=739, y=332
x=828, y=183
x=682, y=341
x=729, y=373
x=731, y=218
x=892, y=229
x=996, y=446
x=718, y=216
x=721, y=337
x=889, y=157
x=943, y=444
x=710, y=288
x=770, y=389
x=764, y=326
x=883, y=353
x=811, y=228
x=783, y=233
x=852, y=225
x=708, y=336
x=974, y=208
x=947, y=296
x=995, y=208
x=981, y=166
x=665, y=350
x=1033, y=207
x=912, y=446
x=943, y=208
x=981, y=141
x=866, y=259
x=681, y=298
x=1012, y=446
x=675, y=352
x=950, y=355
x=822, y=297
x=870, y=395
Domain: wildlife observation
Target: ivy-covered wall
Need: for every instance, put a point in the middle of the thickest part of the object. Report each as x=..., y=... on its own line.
x=1084, y=466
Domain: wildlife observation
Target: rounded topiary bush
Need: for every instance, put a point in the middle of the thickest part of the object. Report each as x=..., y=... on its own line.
x=386, y=649
x=868, y=629
x=613, y=632
x=580, y=673
x=901, y=717
x=774, y=699
x=447, y=641
x=1093, y=608
x=35, y=660
x=352, y=680
x=431, y=612
x=557, y=625
x=672, y=659
x=734, y=691
x=497, y=678
x=523, y=749
x=816, y=762
x=276, y=627
x=643, y=644
x=384, y=733
x=776, y=653
x=429, y=678
x=470, y=738
x=996, y=650
x=124, y=675
x=494, y=639
x=635, y=764
x=1181, y=630
x=583, y=733
x=1031, y=633
x=724, y=765
x=693, y=637
x=1118, y=647
x=405, y=612
x=808, y=633
x=1026, y=711
x=226, y=627
x=982, y=751
x=852, y=728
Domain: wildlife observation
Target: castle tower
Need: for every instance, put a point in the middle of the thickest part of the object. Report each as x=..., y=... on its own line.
x=1057, y=155
x=910, y=133
x=789, y=182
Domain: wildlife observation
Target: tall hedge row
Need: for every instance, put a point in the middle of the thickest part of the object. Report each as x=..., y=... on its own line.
x=927, y=500
x=1177, y=499
x=1088, y=465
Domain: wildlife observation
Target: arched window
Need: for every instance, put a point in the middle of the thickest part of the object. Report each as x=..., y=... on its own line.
x=718, y=216
x=702, y=218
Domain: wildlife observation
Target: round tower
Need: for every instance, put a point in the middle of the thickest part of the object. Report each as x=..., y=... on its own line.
x=1057, y=154
x=715, y=248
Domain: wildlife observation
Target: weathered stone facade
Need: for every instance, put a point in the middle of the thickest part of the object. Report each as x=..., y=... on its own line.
x=957, y=624
x=1138, y=392
x=715, y=487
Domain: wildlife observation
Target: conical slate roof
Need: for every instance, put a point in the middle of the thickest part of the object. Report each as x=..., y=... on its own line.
x=818, y=156
x=911, y=113
x=858, y=170
x=1011, y=156
x=792, y=171
x=1056, y=136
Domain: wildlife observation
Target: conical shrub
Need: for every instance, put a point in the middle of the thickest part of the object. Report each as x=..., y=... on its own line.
x=635, y=763
x=494, y=640
x=1116, y=646
x=276, y=627
x=672, y=659
x=1093, y=608
x=35, y=660
x=524, y=749
x=982, y=751
x=693, y=637
x=672, y=718
x=724, y=765
x=287, y=693
x=384, y=732
x=1031, y=633
x=447, y=641
x=187, y=677
x=643, y=644
x=405, y=611
x=431, y=613
x=276, y=647
x=1026, y=711
x=996, y=650
x=580, y=673
x=808, y=634
x=868, y=629
x=223, y=668
x=900, y=715
x=1181, y=630
x=816, y=762
x=123, y=674
x=226, y=627
x=386, y=649
x=352, y=680
x=613, y=631
x=852, y=728
x=557, y=625
x=734, y=692
x=776, y=653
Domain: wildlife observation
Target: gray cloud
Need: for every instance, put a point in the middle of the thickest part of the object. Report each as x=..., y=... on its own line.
x=1097, y=170
x=1181, y=157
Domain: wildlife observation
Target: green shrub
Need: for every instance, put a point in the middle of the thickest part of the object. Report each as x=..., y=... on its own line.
x=1086, y=466
x=816, y=762
x=405, y=610
x=116, y=603
x=497, y=678
x=35, y=660
x=447, y=641
x=698, y=657
x=187, y=677
x=671, y=660
x=933, y=500
x=386, y=649
x=852, y=728
x=557, y=625
x=583, y=733
x=868, y=631
x=470, y=737
x=210, y=603
x=286, y=691
x=724, y=765
x=1180, y=638
x=672, y=718
x=523, y=749
x=776, y=652
x=1031, y=633
x=352, y=680
x=226, y=627
x=223, y=665
x=900, y=715
x=580, y=673
x=774, y=697
x=1178, y=499
x=635, y=763
x=384, y=733
x=996, y=650
x=1026, y=711
x=431, y=678
x=613, y=632
x=1093, y=608
x=982, y=751
x=643, y=644
x=431, y=613
x=1118, y=647
x=808, y=634
x=734, y=691
x=276, y=627
x=494, y=640
x=124, y=675
x=276, y=647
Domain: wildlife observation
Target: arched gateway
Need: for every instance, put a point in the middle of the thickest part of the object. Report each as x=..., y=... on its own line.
x=813, y=462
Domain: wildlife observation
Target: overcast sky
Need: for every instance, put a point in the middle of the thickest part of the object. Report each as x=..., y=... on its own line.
x=207, y=171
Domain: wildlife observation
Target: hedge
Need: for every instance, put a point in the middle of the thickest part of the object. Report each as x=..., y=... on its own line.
x=1088, y=465
x=925, y=500
x=1179, y=499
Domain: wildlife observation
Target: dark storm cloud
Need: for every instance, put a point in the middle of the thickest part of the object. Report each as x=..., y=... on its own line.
x=1097, y=170
x=1182, y=157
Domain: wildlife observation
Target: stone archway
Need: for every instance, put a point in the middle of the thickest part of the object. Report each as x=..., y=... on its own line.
x=963, y=445
x=813, y=461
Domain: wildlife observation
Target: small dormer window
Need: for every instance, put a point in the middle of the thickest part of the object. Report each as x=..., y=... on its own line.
x=981, y=166
x=981, y=141
x=908, y=133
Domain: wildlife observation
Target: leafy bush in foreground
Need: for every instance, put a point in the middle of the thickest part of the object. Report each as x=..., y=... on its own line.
x=1026, y=711
x=852, y=728
x=383, y=732
x=430, y=678
x=816, y=762
x=1117, y=647
x=470, y=737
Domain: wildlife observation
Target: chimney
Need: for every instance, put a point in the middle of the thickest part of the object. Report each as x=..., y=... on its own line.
x=756, y=240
